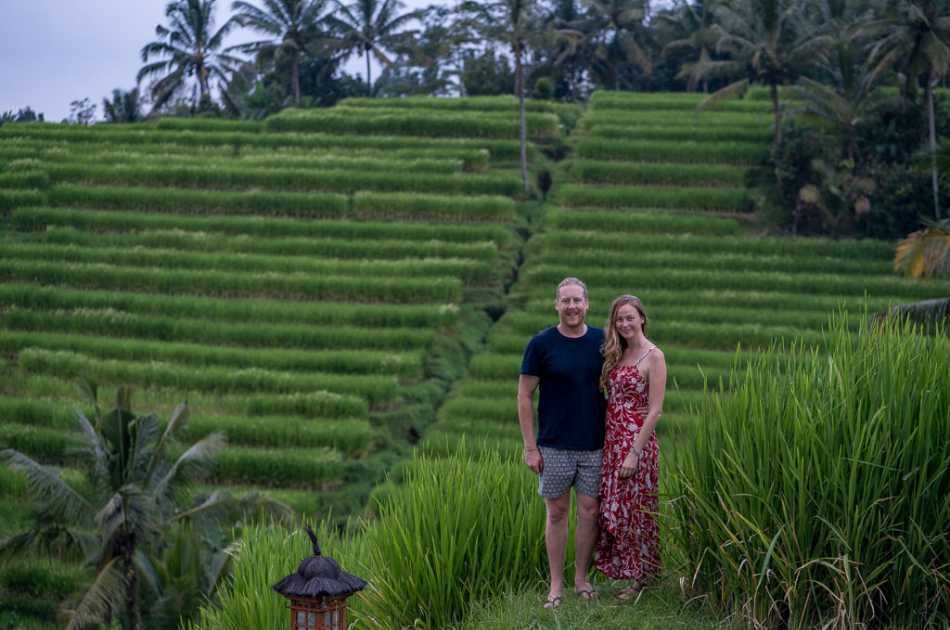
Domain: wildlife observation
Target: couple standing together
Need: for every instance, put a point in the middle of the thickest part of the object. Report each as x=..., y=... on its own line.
x=601, y=395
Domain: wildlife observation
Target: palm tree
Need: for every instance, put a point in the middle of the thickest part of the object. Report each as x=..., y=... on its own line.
x=187, y=47
x=913, y=38
x=846, y=94
x=692, y=26
x=769, y=41
x=126, y=505
x=291, y=26
x=124, y=107
x=615, y=34
x=511, y=21
x=370, y=27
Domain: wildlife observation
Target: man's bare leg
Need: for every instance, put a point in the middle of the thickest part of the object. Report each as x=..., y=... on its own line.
x=584, y=539
x=555, y=539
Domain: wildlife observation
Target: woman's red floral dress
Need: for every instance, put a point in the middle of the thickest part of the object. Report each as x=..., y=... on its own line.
x=629, y=543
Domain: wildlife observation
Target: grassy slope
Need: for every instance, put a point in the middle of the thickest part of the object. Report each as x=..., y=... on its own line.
x=149, y=210
x=699, y=322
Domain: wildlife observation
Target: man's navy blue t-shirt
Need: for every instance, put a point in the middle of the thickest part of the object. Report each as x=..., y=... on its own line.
x=571, y=406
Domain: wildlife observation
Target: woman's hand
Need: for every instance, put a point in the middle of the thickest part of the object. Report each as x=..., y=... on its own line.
x=630, y=463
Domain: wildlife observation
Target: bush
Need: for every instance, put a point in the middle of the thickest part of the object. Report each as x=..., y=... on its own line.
x=815, y=491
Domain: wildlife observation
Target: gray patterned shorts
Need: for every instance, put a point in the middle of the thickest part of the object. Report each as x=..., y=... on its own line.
x=563, y=469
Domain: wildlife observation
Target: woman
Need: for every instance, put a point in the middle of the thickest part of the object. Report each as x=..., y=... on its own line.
x=634, y=381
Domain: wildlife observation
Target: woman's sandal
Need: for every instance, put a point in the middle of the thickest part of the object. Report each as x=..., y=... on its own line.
x=553, y=603
x=631, y=592
x=587, y=594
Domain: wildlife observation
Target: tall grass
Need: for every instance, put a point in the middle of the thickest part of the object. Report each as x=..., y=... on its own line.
x=817, y=493
x=455, y=531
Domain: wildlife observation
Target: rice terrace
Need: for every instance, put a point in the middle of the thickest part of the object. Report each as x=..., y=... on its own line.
x=302, y=298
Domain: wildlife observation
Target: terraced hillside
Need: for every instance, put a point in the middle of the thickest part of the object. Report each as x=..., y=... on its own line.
x=652, y=202
x=305, y=282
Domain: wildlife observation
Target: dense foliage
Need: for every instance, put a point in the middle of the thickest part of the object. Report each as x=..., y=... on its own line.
x=814, y=492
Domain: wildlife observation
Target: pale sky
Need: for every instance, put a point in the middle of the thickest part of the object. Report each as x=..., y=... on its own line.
x=56, y=51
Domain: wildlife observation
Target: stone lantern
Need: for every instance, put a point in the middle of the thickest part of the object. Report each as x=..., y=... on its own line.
x=317, y=591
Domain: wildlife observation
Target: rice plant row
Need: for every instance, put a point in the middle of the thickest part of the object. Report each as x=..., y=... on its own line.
x=722, y=199
x=403, y=364
x=229, y=177
x=284, y=467
x=656, y=173
x=20, y=158
x=260, y=311
x=485, y=251
x=470, y=271
x=475, y=104
x=376, y=389
x=246, y=333
x=688, y=131
x=444, y=159
x=678, y=118
x=739, y=280
x=499, y=149
x=295, y=286
x=731, y=152
x=726, y=260
x=605, y=222
x=871, y=250
x=349, y=435
x=40, y=218
x=627, y=101
x=411, y=123
x=363, y=205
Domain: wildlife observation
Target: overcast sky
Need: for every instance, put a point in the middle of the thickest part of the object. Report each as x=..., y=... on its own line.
x=56, y=51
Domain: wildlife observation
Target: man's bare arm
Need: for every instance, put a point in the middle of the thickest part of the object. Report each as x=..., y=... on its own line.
x=527, y=385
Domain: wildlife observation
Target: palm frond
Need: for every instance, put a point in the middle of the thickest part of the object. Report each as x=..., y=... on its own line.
x=104, y=596
x=55, y=496
x=731, y=91
x=924, y=253
x=195, y=460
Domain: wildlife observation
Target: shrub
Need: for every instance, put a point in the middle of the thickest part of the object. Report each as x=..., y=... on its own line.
x=815, y=492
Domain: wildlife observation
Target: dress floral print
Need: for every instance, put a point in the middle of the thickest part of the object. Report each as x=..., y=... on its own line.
x=629, y=544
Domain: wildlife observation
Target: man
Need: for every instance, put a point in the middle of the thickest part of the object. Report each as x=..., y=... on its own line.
x=565, y=361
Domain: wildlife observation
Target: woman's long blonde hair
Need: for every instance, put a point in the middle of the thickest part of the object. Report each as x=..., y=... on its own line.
x=614, y=344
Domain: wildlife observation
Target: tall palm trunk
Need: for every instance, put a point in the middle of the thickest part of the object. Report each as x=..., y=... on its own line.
x=522, y=119
x=295, y=79
x=776, y=115
x=369, y=80
x=933, y=146
x=131, y=589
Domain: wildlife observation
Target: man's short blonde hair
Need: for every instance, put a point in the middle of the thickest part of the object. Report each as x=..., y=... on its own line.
x=567, y=281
